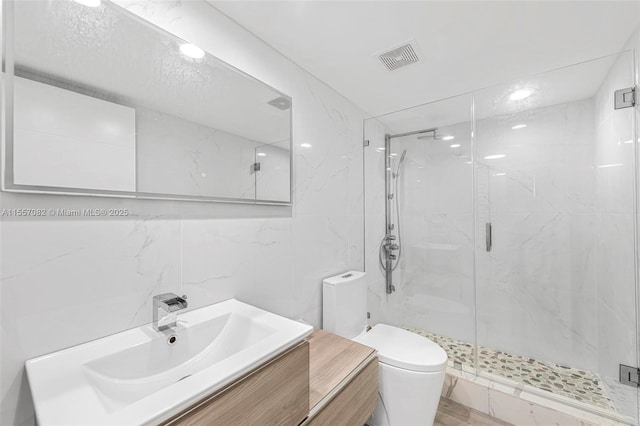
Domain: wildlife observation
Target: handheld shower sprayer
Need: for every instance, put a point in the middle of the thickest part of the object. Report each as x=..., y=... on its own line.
x=400, y=163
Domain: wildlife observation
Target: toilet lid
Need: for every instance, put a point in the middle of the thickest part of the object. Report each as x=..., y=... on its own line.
x=404, y=349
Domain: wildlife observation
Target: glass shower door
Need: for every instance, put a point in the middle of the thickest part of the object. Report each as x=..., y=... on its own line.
x=430, y=175
x=556, y=235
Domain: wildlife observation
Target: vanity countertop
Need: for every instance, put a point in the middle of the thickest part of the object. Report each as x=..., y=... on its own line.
x=334, y=362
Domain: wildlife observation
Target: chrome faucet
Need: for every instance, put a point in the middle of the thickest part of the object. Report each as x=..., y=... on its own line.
x=165, y=308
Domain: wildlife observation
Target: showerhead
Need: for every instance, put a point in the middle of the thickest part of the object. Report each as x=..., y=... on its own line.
x=399, y=169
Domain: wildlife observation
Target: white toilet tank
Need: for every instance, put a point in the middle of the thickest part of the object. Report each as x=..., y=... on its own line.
x=344, y=304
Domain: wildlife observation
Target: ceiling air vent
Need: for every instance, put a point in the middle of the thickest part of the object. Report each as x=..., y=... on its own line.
x=280, y=103
x=399, y=57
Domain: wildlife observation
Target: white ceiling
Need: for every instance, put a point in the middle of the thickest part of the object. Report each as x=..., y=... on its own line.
x=465, y=45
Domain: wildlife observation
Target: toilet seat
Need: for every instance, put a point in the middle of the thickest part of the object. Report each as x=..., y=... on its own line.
x=404, y=349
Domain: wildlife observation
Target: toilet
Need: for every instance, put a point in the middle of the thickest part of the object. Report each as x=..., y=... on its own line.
x=411, y=368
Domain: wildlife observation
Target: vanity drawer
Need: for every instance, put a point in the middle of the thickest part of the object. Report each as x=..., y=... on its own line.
x=274, y=394
x=355, y=403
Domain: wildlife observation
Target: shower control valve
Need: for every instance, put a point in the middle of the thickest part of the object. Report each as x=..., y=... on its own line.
x=394, y=247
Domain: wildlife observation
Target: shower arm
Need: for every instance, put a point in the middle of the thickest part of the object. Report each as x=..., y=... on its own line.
x=433, y=130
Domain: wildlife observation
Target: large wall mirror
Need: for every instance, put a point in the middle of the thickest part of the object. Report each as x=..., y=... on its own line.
x=101, y=102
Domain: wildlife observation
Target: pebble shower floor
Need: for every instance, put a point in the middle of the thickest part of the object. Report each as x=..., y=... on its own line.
x=580, y=385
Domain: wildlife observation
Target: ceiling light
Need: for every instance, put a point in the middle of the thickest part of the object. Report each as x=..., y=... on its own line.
x=500, y=174
x=519, y=126
x=90, y=3
x=191, y=50
x=604, y=166
x=455, y=145
x=494, y=156
x=261, y=154
x=305, y=145
x=520, y=94
x=448, y=138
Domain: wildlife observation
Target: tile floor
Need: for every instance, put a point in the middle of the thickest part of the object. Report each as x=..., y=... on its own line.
x=580, y=385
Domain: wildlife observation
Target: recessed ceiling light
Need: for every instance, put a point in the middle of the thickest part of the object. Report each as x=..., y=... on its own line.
x=305, y=145
x=448, y=138
x=455, y=145
x=191, y=50
x=500, y=174
x=261, y=154
x=90, y=3
x=520, y=94
x=519, y=126
x=494, y=156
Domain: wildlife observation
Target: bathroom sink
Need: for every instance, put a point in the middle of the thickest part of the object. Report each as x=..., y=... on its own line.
x=142, y=376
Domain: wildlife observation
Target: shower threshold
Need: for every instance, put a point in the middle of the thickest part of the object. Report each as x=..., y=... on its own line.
x=583, y=386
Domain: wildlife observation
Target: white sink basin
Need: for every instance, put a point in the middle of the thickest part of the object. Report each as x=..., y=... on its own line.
x=138, y=377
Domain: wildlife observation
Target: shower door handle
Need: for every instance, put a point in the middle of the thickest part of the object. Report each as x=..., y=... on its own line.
x=488, y=235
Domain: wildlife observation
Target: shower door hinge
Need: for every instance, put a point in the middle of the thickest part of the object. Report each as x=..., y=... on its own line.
x=366, y=143
x=255, y=167
x=624, y=98
x=629, y=375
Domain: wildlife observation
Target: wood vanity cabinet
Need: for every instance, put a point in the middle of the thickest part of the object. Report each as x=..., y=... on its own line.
x=354, y=404
x=276, y=393
x=324, y=381
x=344, y=381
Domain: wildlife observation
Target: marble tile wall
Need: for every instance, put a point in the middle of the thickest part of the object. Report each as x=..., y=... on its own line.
x=67, y=280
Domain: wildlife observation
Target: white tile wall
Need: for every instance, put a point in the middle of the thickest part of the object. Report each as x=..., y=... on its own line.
x=69, y=280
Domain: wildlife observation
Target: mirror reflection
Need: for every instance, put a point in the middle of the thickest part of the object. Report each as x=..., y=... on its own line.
x=104, y=102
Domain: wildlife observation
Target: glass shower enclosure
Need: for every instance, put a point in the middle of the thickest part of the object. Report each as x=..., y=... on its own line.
x=511, y=229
